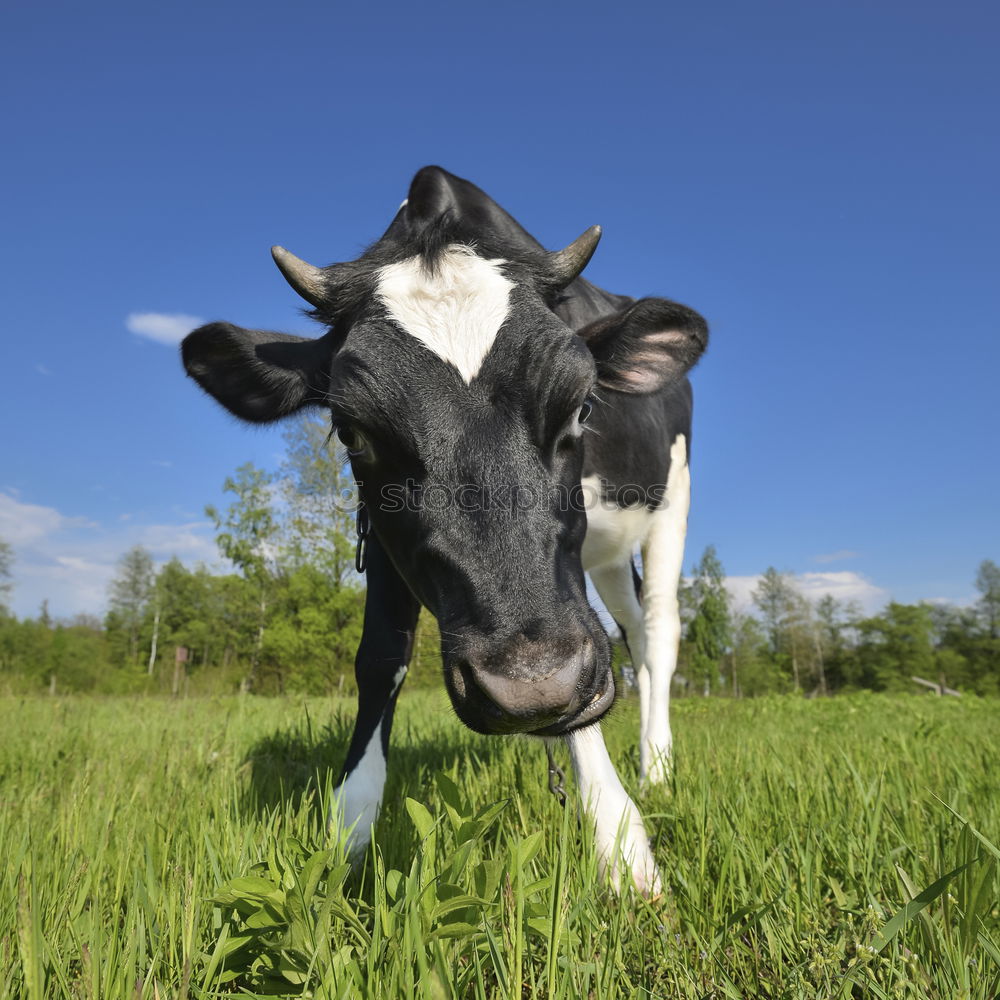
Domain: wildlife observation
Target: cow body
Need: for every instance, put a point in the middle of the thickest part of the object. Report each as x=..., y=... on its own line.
x=549, y=421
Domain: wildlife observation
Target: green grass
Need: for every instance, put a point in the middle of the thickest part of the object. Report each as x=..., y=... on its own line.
x=157, y=848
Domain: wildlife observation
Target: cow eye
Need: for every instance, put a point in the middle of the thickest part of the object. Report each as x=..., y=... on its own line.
x=351, y=439
x=572, y=430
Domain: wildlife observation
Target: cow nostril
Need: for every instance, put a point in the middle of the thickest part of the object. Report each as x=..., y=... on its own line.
x=458, y=675
x=466, y=679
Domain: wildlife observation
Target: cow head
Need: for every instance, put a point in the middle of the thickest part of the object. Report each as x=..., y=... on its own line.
x=462, y=400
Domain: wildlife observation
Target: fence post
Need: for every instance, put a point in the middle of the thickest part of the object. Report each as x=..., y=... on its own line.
x=180, y=658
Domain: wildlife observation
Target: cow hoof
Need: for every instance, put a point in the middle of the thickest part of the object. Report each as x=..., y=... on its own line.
x=355, y=837
x=636, y=870
x=658, y=772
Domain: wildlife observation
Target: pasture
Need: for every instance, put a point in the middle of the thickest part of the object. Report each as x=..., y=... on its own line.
x=156, y=848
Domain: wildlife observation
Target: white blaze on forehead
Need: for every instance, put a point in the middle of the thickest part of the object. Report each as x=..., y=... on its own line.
x=456, y=311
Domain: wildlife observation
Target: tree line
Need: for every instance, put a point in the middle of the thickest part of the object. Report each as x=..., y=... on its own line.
x=288, y=617
x=791, y=644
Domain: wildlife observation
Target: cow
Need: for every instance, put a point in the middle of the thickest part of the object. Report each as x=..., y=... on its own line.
x=510, y=426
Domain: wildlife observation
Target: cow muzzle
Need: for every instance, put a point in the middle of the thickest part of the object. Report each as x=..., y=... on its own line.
x=525, y=686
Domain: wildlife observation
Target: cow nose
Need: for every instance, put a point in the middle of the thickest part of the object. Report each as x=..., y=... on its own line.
x=529, y=702
x=524, y=684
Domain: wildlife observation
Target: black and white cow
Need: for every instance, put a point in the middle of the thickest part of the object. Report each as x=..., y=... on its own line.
x=510, y=425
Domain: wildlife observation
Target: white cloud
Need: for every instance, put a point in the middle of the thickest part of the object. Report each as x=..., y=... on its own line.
x=741, y=590
x=837, y=556
x=164, y=328
x=190, y=542
x=845, y=586
x=70, y=560
x=42, y=370
x=70, y=584
x=967, y=600
x=24, y=523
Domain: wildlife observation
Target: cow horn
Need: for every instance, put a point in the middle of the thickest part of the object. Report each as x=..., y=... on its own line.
x=565, y=265
x=308, y=281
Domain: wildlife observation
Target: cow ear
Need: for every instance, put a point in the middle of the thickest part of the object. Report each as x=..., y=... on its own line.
x=257, y=375
x=647, y=346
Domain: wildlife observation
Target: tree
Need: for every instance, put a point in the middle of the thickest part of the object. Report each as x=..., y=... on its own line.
x=894, y=646
x=6, y=564
x=830, y=628
x=988, y=605
x=776, y=599
x=753, y=670
x=180, y=613
x=709, y=630
x=968, y=656
x=320, y=602
x=320, y=499
x=805, y=641
x=129, y=595
x=771, y=595
x=248, y=537
x=314, y=632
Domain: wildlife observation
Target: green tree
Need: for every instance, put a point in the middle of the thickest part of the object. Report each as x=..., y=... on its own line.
x=313, y=635
x=320, y=500
x=129, y=596
x=187, y=617
x=894, y=646
x=319, y=602
x=6, y=575
x=832, y=626
x=988, y=605
x=805, y=642
x=248, y=536
x=771, y=595
x=777, y=600
x=752, y=668
x=708, y=635
x=967, y=656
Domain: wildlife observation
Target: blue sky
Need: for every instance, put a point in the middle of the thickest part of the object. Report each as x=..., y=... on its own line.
x=819, y=180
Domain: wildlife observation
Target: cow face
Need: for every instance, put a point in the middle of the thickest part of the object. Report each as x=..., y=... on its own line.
x=462, y=400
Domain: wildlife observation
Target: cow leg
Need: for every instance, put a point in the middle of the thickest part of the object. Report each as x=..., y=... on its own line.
x=662, y=560
x=622, y=845
x=618, y=587
x=380, y=667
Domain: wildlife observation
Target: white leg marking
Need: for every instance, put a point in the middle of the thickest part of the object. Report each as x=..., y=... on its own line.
x=622, y=844
x=662, y=560
x=358, y=799
x=456, y=310
x=613, y=534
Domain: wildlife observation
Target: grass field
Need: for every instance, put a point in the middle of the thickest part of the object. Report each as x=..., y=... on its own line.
x=157, y=848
